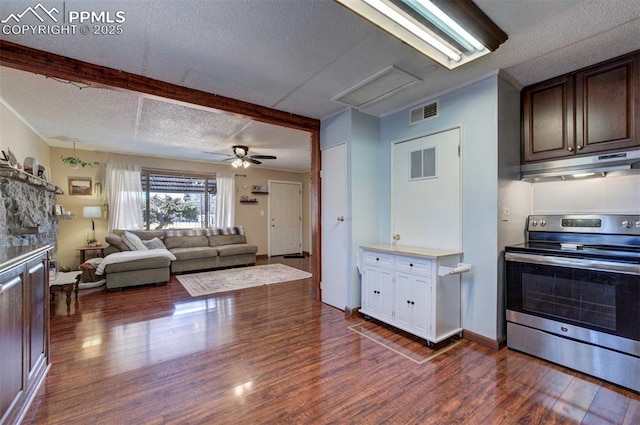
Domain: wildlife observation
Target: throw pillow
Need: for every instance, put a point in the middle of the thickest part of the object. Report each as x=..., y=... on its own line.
x=133, y=242
x=117, y=242
x=154, y=243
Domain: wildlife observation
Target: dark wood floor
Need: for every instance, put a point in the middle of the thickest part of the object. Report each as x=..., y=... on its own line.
x=271, y=355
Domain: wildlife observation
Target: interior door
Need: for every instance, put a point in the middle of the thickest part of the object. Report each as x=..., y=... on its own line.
x=426, y=191
x=285, y=218
x=334, y=226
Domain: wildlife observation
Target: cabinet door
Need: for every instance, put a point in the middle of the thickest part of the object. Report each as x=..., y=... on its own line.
x=414, y=303
x=11, y=337
x=423, y=308
x=548, y=123
x=404, y=296
x=386, y=294
x=606, y=98
x=37, y=293
x=370, y=288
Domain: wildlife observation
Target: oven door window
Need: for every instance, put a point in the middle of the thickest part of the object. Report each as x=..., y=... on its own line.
x=603, y=301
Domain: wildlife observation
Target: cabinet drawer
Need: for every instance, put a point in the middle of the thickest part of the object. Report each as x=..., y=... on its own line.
x=378, y=259
x=412, y=265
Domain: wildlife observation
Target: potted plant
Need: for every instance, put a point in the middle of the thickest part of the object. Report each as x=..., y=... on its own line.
x=75, y=162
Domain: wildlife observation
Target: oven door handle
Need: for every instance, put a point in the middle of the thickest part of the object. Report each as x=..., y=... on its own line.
x=575, y=263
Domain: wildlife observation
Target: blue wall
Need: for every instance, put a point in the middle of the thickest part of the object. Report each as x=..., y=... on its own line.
x=474, y=109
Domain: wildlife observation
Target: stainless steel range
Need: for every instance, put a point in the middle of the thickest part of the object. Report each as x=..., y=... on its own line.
x=573, y=294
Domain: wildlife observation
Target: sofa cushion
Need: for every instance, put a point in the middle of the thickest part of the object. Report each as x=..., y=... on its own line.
x=154, y=243
x=236, y=249
x=136, y=265
x=194, y=253
x=117, y=242
x=218, y=240
x=133, y=242
x=185, y=238
x=144, y=235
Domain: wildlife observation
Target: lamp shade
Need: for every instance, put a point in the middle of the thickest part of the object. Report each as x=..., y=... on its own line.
x=92, y=212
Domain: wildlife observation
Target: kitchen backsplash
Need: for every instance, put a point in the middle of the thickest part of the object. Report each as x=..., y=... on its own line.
x=614, y=195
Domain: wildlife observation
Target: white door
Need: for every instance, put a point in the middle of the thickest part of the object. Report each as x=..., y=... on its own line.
x=334, y=226
x=426, y=191
x=285, y=217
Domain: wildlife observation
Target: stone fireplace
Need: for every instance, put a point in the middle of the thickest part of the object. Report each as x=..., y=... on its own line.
x=26, y=209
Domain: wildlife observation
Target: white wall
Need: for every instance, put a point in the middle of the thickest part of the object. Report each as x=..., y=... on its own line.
x=612, y=195
x=16, y=136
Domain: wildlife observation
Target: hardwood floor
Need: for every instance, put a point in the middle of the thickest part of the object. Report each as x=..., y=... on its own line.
x=271, y=355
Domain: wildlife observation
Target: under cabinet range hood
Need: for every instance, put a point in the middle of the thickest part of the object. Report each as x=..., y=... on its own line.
x=606, y=164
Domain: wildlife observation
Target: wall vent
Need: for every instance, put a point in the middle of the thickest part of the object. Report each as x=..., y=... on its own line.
x=423, y=112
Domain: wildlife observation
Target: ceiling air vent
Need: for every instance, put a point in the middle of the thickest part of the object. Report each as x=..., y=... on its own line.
x=423, y=112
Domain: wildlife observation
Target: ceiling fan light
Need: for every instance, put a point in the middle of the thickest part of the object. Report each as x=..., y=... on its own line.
x=237, y=163
x=240, y=150
x=246, y=164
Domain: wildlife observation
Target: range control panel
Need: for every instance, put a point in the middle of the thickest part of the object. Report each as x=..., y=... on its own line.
x=618, y=224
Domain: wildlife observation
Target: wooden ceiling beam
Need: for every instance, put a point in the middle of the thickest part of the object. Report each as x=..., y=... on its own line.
x=24, y=58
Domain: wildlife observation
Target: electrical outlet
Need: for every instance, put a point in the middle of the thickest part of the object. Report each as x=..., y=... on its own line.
x=261, y=213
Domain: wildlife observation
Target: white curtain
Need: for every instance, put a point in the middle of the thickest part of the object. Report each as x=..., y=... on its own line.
x=225, y=199
x=124, y=195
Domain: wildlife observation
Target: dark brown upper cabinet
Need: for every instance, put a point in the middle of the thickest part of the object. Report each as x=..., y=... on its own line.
x=591, y=110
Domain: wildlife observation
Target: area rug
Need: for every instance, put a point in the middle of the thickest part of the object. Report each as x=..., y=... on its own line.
x=206, y=283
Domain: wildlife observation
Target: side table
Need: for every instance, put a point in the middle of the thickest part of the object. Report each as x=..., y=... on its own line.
x=68, y=282
x=84, y=249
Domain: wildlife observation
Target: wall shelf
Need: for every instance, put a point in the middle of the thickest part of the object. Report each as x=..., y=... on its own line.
x=15, y=174
x=63, y=217
x=251, y=201
x=255, y=192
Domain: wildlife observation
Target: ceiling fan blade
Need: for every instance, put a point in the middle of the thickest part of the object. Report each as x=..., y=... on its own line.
x=216, y=153
x=251, y=160
x=263, y=157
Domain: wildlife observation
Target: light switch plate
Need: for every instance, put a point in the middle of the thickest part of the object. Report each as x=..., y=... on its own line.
x=504, y=213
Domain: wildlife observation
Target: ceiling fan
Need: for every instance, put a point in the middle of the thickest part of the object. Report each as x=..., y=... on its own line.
x=241, y=157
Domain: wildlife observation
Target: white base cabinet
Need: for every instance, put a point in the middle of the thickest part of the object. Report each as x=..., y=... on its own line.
x=401, y=287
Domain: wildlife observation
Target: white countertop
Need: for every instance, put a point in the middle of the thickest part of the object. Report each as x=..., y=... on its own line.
x=411, y=250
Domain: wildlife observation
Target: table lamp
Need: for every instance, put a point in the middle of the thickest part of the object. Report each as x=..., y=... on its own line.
x=92, y=212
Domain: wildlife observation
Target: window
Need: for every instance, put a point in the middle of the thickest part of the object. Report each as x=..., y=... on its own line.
x=178, y=202
x=423, y=164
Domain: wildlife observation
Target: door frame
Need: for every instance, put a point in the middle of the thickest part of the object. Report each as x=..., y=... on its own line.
x=300, y=186
x=52, y=65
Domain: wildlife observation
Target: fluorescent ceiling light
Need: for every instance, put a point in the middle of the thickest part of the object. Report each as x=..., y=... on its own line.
x=413, y=27
x=451, y=33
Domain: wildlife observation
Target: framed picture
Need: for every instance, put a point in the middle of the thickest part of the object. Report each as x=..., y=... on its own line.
x=80, y=186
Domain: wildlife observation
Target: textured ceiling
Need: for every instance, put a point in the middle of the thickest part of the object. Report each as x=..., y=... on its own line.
x=289, y=55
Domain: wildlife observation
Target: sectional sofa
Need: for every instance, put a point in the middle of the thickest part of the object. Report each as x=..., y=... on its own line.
x=188, y=250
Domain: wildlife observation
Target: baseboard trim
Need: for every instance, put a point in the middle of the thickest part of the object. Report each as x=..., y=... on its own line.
x=483, y=340
x=351, y=311
x=262, y=257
